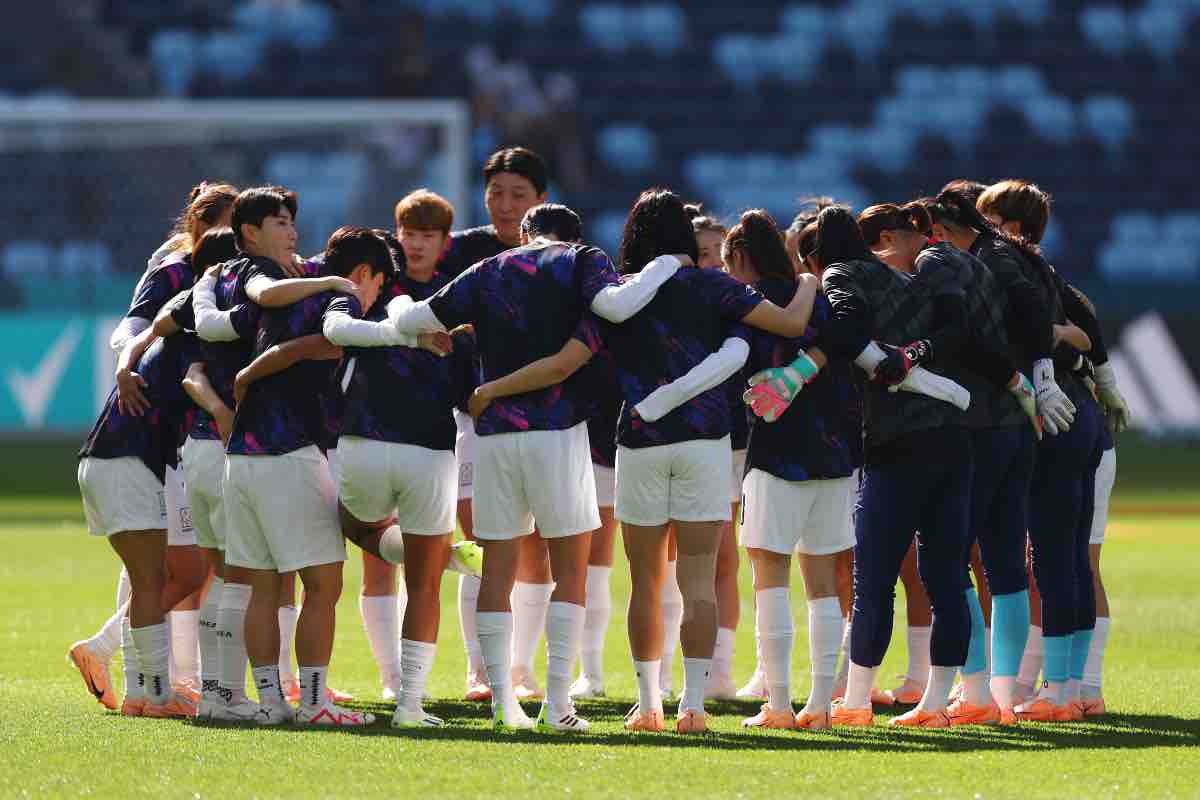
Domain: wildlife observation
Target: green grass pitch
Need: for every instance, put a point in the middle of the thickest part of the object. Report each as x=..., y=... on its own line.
x=56, y=741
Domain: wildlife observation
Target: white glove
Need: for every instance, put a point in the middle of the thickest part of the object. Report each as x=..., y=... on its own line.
x=1053, y=406
x=1116, y=411
x=921, y=381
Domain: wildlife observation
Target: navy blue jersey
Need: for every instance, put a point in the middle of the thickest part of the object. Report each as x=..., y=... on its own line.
x=159, y=284
x=404, y=394
x=987, y=304
x=809, y=441
x=688, y=319
x=896, y=315
x=155, y=436
x=599, y=377
x=739, y=420
x=466, y=248
x=297, y=407
x=525, y=304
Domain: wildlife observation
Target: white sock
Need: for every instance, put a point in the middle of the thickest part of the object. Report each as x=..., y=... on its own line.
x=976, y=690
x=843, y=673
x=416, y=660
x=135, y=681
x=530, y=602
x=937, y=691
x=1072, y=691
x=672, y=615
x=695, y=677
x=775, y=632
x=381, y=620
x=288, y=617
x=1054, y=692
x=722, y=659
x=124, y=588
x=495, y=645
x=649, y=693
x=391, y=545
x=468, y=598
x=231, y=629
x=312, y=686
x=1094, y=669
x=595, y=622
x=266, y=681
x=170, y=639
x=210, y=642
x=1031, y=661
x=1004, y=690
x=759, y=664
x=824, y=640
x=564, y=631
x=185, y=645
x=106, y=641
x=987, y=648
x=153, y=645
x=858, y=686
x=918, y=654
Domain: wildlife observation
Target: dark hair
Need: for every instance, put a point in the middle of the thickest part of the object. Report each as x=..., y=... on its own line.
x=216, y=246
x=839, y=239
x=554, y=219
x=873, y=221
x=657, y=225
x=425, y=210
x=1018, y=201
x=519, y=161
x=806, y=244
x=966, y=187
x=252, y=206
x=954, y=209
x=350, y=246
x=702, y=222
x=206, y=202
x=810, y=207
x=756, y=235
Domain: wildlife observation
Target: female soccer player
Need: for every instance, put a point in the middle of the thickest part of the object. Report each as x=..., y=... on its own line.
x=797, y=489
x=672, y=470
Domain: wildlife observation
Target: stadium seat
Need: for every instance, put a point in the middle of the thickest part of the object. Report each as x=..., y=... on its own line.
x=1015, y=83
x=1161, y=28
x=26, y=258
x=810, y=22
x=628, y=147
x=1052, y=117
x=920, y=82
x=738, y=57
x=230, y=55
x=661, y=27
x=174, y=55
x=890, y=148
x=1109, y=119
x=1029, y=12
x=1106, y=28
x=85, y=258
x=1139, y=229
x=605, y=229
x=863, y=27
x=1183, y=228
x=604, y=26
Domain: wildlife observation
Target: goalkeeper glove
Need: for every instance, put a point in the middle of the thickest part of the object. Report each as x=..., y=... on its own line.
x=1116, y=410
x=773, y=390
x=1053, y=406
x=900, y=361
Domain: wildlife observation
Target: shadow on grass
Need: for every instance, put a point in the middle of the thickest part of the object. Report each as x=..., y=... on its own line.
x=471, y=722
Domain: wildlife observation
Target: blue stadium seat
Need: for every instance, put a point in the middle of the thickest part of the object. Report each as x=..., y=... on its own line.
x=972, y=81
x=1161, y=28
x=1051, y=116
x=921, y=82
x=888, y=147
x=1109, y=119
x=810, y=22
x=604, y=26
x=1139, y=229
x=1106, y=28
x=789, y=57
x=958, y=118
x=706, y=171
x=661, y=27
x=85, y=258
x=230, y=55
x=1121, y=262
x=839, y=142
x=739, y=59
x=1183, y=228
x=1029, y=12
x=629, y=147
x=863, y=27
x=533, y=12
x=26, y=258
x=604, y=229
x=1014, y=83
x=173, y=53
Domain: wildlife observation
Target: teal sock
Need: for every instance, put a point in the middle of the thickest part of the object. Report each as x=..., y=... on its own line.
x=1081, y=643
x=1056, y=667
x=1010, y=629
x=976, y=650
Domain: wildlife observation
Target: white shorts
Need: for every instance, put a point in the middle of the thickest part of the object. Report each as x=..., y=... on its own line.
x=1106, y=475
x=739, y=474
x=465, y=447
x=121, y=494
x=807, y=517
x=376, y=479
x=281, y=512
x=685, y=481
x=606, y=485
x=535, y=477
x=203, y=468
x=180, y=532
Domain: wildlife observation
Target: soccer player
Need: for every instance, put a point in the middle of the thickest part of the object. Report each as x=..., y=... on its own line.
x=279, y=495
x=169, y=271
x=797, y=488
x=534, y=457
x=674, y=469
x=397, y=474
x=121, y=470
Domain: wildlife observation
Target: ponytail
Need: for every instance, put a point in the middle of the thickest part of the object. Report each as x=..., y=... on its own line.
x=953, y=207
x=875, y=220
x=758, y=238
x=839, y=238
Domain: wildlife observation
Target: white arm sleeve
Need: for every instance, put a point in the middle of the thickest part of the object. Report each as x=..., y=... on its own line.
x=211, y=325
x=346, y=331
x=712, y=371
x=413, y=318
x=620, y=302
x=129, y=328
x=869, y=358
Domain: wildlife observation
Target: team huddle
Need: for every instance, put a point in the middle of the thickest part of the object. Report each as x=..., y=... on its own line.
x=910, y=393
